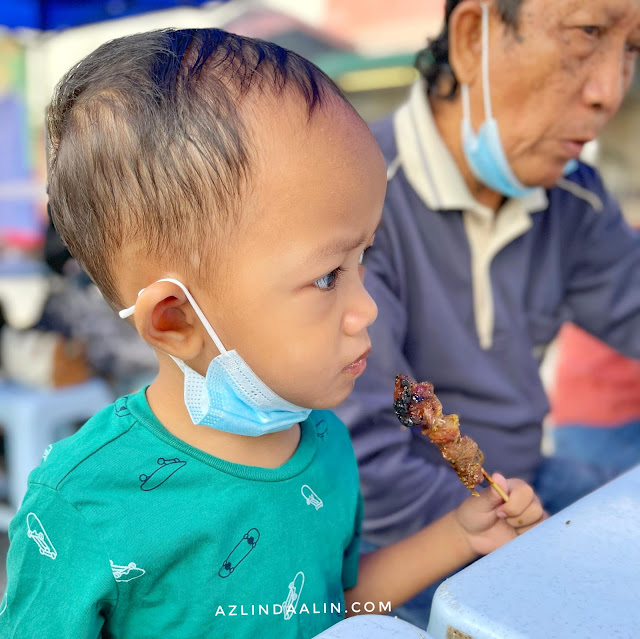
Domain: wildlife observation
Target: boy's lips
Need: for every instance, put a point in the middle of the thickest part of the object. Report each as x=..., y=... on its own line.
x=357, y=366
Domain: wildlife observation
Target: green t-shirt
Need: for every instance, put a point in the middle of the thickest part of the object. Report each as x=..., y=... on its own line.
x=128, y=532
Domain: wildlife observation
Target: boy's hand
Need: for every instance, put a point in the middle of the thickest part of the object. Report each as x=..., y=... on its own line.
x=487, y=522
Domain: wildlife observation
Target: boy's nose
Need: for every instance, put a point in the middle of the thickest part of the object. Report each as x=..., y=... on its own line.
x=362, y=312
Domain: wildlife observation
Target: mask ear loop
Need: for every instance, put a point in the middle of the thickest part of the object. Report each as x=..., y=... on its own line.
x=486, y=93
x=466, y=107
x=128, y=312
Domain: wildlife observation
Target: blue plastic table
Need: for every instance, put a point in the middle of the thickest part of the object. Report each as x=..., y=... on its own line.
x=373, y=627
x=575, y=575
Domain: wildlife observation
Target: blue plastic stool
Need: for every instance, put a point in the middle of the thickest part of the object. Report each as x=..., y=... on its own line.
x=34, y=418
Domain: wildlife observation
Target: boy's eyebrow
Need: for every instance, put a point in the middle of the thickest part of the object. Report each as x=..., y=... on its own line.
x=338, y=245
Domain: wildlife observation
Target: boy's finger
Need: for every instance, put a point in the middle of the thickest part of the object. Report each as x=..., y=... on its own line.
x=521, y=496
x=502, y=483
x=489, y=498
x=523, y=529
x=530, y=515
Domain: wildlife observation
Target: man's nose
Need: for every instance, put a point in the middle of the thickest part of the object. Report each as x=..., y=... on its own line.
x=608, y=82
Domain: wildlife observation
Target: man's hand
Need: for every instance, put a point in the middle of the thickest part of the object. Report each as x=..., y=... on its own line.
x=488, y=523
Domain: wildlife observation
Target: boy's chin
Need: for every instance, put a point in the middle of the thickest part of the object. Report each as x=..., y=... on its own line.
x=333, y=398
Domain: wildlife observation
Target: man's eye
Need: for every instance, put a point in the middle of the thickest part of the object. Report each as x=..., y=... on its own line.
x=328, y=282
x=592, y=29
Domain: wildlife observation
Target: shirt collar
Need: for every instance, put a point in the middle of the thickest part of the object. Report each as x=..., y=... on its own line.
x=430, y=167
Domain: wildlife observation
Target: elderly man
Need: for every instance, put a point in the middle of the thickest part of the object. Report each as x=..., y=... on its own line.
x=493, y=235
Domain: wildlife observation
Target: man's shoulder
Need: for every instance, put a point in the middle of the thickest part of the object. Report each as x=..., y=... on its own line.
x=69, y=457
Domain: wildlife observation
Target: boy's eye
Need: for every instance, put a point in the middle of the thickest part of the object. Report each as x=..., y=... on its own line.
x=328, y=282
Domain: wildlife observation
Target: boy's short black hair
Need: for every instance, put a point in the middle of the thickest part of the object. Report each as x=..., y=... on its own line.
x=433, y=61
x=148, y=145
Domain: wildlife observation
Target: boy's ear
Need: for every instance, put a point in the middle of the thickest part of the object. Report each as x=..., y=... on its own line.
x=165, y=319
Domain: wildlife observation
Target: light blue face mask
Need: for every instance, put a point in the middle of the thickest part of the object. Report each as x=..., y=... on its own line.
x=231, y=397
x=484, y=151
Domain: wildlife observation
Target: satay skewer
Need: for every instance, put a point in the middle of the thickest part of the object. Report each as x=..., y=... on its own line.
x=505, y=497
x=416, y=404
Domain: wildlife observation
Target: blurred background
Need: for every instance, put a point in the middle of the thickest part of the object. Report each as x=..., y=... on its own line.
x=60, y=346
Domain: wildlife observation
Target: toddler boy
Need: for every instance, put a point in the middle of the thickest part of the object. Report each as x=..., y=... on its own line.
x=221, y=193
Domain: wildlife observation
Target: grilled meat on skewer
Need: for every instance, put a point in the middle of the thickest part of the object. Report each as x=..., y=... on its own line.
x=416, y=404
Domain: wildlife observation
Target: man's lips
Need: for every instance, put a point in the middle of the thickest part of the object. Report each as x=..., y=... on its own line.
x=573, y=148
x=357, y=366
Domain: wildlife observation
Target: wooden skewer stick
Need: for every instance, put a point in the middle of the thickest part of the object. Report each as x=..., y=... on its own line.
x=505, y=497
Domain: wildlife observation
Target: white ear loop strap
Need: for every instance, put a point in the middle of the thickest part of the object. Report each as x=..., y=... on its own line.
x=485, y=61
x=486, y=91
x=128, y=312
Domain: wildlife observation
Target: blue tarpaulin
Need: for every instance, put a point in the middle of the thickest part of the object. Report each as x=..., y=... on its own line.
x=19, y=223
x=20, y=218
x=61, y=14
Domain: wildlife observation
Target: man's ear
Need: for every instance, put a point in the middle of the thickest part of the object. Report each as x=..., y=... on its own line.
x=465, y=41
x=165, y=319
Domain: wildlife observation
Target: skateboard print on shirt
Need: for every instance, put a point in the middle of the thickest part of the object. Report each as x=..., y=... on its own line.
x=310, y=497
x=121, y=408
x=126, y=573
x=48, y=449
x=166, y=468
x=238, y=554
x=290, y=604
x=36, y=531
x=322, y=429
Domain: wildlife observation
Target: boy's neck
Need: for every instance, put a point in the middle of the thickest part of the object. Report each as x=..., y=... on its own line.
x=166, y=399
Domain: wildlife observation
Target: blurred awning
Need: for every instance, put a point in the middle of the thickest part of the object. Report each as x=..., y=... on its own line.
x=287, y=31
x=356, y=73
x=60, y=14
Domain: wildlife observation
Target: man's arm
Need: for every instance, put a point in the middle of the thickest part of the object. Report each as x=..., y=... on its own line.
x=603, y=279
x=59, y=583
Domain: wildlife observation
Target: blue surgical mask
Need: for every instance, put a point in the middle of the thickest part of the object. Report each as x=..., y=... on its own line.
x=484, y=151
x=231, y=397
